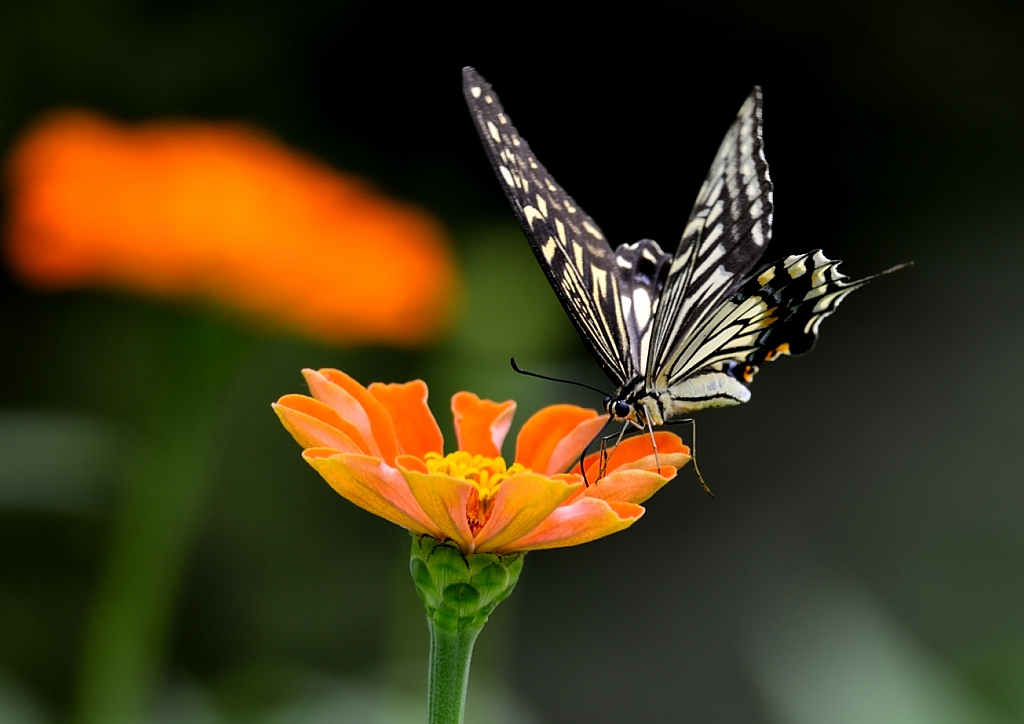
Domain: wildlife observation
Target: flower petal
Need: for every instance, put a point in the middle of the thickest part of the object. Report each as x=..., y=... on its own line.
x=521, y=504
x=673, y=461
x=314, y=424
x=345, y=405
x=481, y=425
x=411, y=462
x=554, y=429
x=629, y=486
x=583, y=520
x=373, y=486
x=443, y=499
x=358, y=406
x=415, y=426
x=568, y=452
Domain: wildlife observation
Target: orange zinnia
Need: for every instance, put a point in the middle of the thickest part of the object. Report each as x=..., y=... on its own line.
x=223, y=212
x=381, y=448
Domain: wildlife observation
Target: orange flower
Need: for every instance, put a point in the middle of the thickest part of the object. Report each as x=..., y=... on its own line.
x=381, y=448
x=223, y=212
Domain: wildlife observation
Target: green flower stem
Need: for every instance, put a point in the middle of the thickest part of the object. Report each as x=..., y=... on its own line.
x=167, y=475
x=448, y=676
x=459, y=592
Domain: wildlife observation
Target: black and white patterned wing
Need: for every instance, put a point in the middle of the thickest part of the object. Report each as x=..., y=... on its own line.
x=643, y=267
x=729, y=227
x=777, y=312
x=571, y=249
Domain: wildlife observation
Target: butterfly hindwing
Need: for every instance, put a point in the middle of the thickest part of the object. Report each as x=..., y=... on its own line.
x=807, y=288
x=570, y=247
x=729, y=227
x=644, y=267
x=776, y=312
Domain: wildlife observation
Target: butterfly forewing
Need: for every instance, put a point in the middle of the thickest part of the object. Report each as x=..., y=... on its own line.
x=570, y=247
x=729, y=227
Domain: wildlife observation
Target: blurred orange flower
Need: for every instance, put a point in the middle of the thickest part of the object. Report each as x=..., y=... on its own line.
x=223, y=212
x=381, y=448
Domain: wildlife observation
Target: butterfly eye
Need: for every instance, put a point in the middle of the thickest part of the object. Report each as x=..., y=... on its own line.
x=621, y=409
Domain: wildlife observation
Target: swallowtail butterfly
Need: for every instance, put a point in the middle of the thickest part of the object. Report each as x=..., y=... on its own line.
x=675, y=333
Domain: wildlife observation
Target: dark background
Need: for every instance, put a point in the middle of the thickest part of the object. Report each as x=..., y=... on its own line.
x=862, y=561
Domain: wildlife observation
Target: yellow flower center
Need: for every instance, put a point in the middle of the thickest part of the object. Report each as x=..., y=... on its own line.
x=485, y=474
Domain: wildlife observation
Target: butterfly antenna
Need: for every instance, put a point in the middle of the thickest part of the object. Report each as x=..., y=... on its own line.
x=555, y=379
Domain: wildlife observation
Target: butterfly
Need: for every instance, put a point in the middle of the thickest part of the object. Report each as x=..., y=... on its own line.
x=675, y=333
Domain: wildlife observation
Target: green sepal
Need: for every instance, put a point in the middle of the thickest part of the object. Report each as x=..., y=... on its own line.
x=460, y=591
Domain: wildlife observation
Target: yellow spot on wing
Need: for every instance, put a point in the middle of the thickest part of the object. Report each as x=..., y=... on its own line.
x=780, y=350
x=475, y=91
x=715, y=212
x=531, y=213
x=766, y=277
x=712, y=236
x=600, y=281
x=549, y=248
x=493, y=130
x=694, y=227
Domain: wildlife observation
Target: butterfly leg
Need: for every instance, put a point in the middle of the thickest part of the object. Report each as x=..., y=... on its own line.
x=604, y=448
x=654, y=444
x=583, y=454
x=693, y=454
